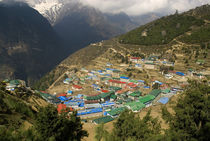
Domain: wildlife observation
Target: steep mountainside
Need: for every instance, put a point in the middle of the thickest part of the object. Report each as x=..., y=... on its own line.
x=29, y=47
x=80, y=25
x=175, y=37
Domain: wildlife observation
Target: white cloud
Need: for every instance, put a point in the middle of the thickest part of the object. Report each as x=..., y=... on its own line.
x=138, y=7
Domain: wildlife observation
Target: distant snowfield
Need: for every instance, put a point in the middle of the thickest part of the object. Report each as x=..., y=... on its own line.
x=43, y=7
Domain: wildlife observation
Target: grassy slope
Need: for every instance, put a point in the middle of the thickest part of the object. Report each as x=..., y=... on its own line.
x=18, y=109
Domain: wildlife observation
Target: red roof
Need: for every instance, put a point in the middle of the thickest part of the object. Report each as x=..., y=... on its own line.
x=104, y=91
x=61, y=95
x=130, y=84
x=116, y=81
x=76, y=86
x=136, y=58
x=62, y=108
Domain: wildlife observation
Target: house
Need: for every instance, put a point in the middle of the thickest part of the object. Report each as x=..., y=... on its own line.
x=124, y=78
x=115, y=112
x=135, y=59
x=149, y=66
x=62, y=94
x=168, y=76
x=180, y=73
x=113, y=97
x=112, y=88
x=139, y=66
x=67, y=81
x=106, y=96
x=135, y=106
x=147, y=100
x=62, y=108
x=141, y=82
x=109, y=70
x=200, y=62
x=117, y=83
x=163, y=100
x=76, y=87
x=123, y=91
x=155, y=92
x=132, y=85
x=108, y=64
x=135, y=95
x=10, y=87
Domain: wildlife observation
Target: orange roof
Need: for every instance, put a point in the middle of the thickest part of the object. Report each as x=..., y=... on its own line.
x=104, y=91
x=61, y=108
x=76, y=86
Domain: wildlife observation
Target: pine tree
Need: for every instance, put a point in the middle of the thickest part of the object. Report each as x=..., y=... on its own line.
x=192, y=118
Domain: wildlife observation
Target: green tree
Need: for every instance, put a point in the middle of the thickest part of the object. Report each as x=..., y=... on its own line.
x=192, y=120
x=59, y=127
x=131, y=127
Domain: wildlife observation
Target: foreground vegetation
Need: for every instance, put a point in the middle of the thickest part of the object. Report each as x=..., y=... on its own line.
x=46, y=124
x=190, y=122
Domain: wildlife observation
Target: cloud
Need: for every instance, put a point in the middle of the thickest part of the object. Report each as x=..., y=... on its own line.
x=139, y=7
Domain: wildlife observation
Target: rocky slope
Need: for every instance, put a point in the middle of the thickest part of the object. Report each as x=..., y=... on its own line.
x=29, y=46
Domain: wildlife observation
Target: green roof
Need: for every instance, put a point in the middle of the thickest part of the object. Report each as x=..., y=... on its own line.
x=146, y=98
x=165, y=91
x=117, y=71
x=135, y=94
x=105, y=78
x=134, y=81
x=116, y=111
x=155, y=92
x=135, y=106
x=15, y=82
x=103, y=119
x=120, y=101
x=116, y=78
x=113, y=96
x=102, y=95
x=115, y=88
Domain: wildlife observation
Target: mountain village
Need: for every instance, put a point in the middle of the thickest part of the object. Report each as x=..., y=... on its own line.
x=103, y=92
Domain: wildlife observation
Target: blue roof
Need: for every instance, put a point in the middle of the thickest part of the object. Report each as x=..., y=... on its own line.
x=158, y=82
x=94, y=85
x=180, y=73
x=141, y=81
x=107, y=74
x=69, y=91
x=100, y=71
x=63, y=98
x=79, y=95
x=163, y=100
x=147, y=87
x=107, y=104
x=124, y=77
